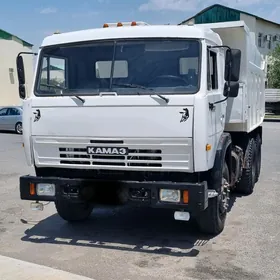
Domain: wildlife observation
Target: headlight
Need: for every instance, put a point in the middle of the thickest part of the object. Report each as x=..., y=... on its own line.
x=44, y=189
x=170, y=195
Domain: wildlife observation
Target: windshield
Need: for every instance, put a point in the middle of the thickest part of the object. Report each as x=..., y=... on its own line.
x=123, y=66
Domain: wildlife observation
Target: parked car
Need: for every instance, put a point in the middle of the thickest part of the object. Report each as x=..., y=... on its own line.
x=11, y=119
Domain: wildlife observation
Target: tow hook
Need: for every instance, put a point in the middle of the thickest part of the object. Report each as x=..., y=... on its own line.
x=37, y=206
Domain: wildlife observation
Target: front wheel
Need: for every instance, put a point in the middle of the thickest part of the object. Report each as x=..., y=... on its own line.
x=18, y=128
x=73, y=212
x=212, y=220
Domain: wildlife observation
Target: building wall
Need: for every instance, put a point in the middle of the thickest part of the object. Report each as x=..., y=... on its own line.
x=250, y=21
x=9, y=50
x=261, y=29
x=266, y=28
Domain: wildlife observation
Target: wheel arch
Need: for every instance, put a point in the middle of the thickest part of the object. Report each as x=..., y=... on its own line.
x=223, y=153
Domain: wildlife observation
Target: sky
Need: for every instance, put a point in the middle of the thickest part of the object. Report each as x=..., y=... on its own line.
x=33, y=20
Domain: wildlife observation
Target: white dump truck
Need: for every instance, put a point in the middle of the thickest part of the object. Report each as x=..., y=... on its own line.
x=152, y=116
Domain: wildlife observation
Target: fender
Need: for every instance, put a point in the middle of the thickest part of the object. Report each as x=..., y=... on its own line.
x=223, y=153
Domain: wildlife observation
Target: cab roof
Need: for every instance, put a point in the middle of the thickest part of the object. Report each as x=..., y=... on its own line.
x=132, y=32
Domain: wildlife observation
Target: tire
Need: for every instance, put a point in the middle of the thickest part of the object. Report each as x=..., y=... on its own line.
x=73, y=212
x=18, y=128
x=259, y=156
x=248, y=179
x=212, y=220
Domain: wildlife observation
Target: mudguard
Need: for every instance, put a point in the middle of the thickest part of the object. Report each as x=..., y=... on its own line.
x=222, y=154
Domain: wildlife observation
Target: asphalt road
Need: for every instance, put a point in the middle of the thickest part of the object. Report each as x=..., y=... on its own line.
x=125, y=243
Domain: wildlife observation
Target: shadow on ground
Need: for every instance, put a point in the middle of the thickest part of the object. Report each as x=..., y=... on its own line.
x=233, y=198
x=8, y=132
x=129, y=229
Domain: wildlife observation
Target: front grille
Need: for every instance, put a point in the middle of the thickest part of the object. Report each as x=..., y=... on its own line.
x=135, y=157
x=127, y=154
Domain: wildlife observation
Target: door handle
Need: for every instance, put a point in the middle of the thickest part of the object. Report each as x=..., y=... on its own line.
x=107, y=93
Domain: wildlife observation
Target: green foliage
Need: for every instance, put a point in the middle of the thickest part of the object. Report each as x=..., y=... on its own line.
x=273, y=74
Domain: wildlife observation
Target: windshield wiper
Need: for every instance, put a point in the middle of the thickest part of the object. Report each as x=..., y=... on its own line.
x=143, y=87
x=62, y=88
x=53, y=86
x=162, y=97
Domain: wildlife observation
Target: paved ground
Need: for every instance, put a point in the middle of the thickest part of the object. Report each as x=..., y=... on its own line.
x=125, y=244
x=12, y=269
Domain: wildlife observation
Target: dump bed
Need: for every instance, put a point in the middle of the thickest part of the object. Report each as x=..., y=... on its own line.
x=247, y=111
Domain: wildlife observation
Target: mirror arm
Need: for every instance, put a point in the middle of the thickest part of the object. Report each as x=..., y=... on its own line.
x=212, y=105
x=27, y=53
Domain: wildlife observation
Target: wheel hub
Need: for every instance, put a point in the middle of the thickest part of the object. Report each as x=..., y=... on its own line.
x=19, y=128
x=224, y=197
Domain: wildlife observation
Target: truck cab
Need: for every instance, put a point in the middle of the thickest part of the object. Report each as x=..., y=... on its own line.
x=134, y=113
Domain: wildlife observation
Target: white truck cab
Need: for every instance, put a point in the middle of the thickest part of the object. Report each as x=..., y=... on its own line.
x=158, y=116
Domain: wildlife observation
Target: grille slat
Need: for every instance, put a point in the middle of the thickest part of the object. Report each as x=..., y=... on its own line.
x=145, y=164
x=75, y=162
x=106, y=142
x=104, y=163
x=142, y=151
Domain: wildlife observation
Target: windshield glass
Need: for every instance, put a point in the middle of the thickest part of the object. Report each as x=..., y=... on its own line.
x=122, y=66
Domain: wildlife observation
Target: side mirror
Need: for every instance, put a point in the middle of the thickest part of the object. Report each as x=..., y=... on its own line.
x=22, y=91
x=20, y=70
x=232, y=64
x=231, y=89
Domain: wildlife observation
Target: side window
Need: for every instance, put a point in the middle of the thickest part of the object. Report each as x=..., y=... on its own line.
x=53, y=73
x=260, y=36
x=212, y=71
x=3, y=112
x=13, y=112
x=269, y=43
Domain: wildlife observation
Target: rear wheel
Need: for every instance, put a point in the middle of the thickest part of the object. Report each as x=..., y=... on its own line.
x=73, y=212
x=212, y=220
x=249, y=174
x=18, y=128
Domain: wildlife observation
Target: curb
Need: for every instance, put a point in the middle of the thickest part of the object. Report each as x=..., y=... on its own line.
x=11, y=269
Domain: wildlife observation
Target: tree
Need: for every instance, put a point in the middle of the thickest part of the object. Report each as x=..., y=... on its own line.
x=273, y=74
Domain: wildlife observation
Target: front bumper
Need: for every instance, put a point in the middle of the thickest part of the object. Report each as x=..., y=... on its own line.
x=136, y=193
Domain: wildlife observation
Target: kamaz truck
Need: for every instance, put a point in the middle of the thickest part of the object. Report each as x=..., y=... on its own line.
x=148, y=115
